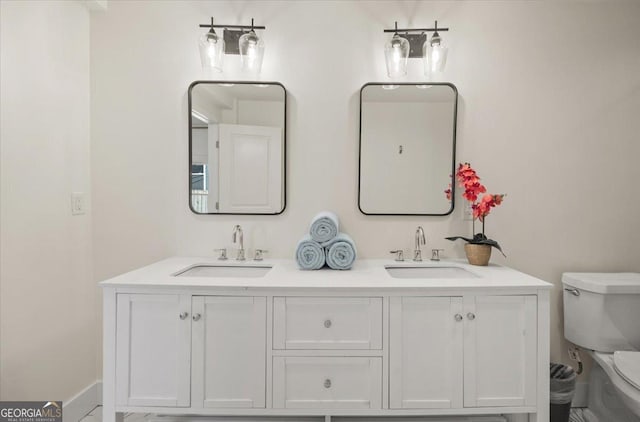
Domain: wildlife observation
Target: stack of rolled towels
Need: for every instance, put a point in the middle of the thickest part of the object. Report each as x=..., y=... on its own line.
x=324, y=244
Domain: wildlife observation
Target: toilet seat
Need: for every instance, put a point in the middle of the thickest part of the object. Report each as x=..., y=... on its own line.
x=627, y=365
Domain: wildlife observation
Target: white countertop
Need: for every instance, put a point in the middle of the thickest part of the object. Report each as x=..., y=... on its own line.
x=366, y=273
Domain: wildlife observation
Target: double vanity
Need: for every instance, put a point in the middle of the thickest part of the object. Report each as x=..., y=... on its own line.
x=197, y=336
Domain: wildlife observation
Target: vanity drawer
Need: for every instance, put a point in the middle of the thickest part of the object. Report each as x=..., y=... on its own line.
x=317, y=323
x=327, y=382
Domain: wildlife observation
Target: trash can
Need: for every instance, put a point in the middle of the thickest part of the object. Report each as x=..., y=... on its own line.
x=563, y=386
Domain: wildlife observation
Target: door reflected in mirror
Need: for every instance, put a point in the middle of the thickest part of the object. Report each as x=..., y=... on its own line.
x=237, y=140
x=407, y=148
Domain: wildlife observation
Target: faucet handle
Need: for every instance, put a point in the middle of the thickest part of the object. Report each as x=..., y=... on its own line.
x=259, y=254
x=399, y=255
x=435, y=254
x=223, y=254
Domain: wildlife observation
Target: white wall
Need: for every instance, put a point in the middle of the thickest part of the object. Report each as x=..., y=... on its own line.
x=549, y=99
x=47, y=293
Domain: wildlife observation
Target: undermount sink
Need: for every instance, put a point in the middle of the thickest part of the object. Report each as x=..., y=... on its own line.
x=240, y=271
x=429, y=272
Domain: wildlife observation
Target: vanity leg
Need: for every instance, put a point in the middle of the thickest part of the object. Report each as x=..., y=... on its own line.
x=544, y=346
x=539, y=417
x=109, y=413
x=111, y=416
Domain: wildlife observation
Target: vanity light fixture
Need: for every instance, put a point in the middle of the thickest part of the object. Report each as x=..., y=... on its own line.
x=211, y=50
x=415, y=43
x=240, y=39
x=434, y=54
x=251, y=51
x=396, y=53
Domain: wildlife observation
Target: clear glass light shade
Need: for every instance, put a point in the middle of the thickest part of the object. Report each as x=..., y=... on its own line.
x=396, y=53
x=251, y=52
x=434, y=56
x=211, y=51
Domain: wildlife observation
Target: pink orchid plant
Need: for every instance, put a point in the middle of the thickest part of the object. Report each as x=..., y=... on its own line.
x=468, y=179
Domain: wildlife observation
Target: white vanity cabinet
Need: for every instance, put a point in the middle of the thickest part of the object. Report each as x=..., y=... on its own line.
x=178, y=350
x=153, y=350
x=466, y=351
x=500, y=350
x=326, y=343
x=228, y=349
x=425, y=349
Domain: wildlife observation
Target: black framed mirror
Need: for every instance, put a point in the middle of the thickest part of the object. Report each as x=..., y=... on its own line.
x=407, y=148
x=237, y=147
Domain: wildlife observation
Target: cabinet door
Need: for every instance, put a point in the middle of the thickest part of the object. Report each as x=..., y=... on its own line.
x=153, y=343
x=500, y=351
x=425, y=352
x=229, y=352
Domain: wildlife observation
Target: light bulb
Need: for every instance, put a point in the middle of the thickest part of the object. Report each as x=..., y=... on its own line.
x=396, y=54
x=251, y=52
x=211, y=51
x=435, y=55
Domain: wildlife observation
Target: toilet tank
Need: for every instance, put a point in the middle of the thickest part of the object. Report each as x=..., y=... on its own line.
x=602, y=310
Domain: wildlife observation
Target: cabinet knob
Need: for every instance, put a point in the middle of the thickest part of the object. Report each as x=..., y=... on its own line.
x=458, y=317
x=327, y=383
x=196, y=317
x=471, y=316
x=184, y=315
x=327, y=323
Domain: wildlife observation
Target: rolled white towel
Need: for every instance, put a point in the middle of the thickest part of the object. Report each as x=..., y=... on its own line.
x=324, y=227
x=341, y=252
x=310, y=255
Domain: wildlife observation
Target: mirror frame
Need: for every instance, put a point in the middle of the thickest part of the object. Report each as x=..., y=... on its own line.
x=284, y=144
x=453, y=156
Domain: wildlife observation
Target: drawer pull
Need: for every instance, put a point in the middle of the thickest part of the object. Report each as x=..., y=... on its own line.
x=327, y=383
x=196, y=317
x=327, y=323
x=458, y=317
x=184, y=315
x=471, y=316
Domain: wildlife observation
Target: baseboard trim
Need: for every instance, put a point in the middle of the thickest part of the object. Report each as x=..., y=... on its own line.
x=82, y=403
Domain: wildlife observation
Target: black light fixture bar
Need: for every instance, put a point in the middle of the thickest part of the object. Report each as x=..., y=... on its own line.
x=436, y=29
x=211, y=25
x=410, y=30
x=242, y=26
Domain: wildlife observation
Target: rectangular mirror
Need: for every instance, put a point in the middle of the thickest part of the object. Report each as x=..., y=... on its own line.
x=237, y=147
x=407, y=148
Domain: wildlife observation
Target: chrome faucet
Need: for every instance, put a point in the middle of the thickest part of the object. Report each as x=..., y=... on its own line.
x=237, y=236
x=420, y=240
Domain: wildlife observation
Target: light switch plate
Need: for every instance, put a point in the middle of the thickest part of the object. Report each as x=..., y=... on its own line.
x=78, y=203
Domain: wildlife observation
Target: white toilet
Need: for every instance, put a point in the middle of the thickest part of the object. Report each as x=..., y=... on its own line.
x=602, y=316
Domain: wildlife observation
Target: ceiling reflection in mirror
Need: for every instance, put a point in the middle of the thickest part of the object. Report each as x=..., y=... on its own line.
x=407, y=148
x=237, y=140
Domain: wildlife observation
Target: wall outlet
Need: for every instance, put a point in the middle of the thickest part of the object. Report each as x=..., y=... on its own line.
x=78, y=203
